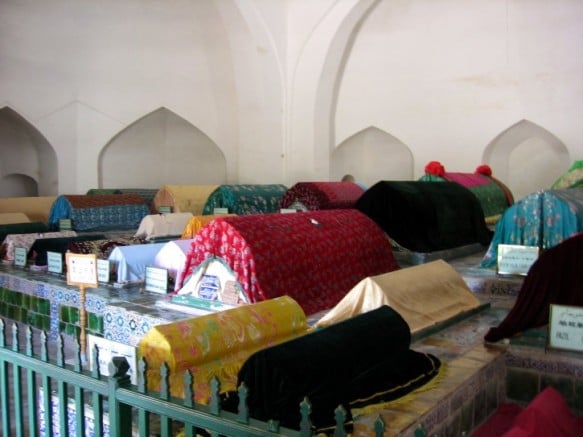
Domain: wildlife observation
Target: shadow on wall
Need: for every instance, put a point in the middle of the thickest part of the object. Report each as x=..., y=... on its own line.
x=161, y=148
x=29, y=163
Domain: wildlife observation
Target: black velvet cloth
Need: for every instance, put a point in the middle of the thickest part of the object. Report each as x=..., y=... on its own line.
x=426, y=216
x=38, y=251
x=357, y=362
x=22, y=228
x=556, y=277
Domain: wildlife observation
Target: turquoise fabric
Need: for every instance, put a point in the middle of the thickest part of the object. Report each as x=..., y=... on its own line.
x=544, y=219
x=246, y=199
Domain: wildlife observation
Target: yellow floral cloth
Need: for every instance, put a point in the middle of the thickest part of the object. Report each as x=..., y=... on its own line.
x=197, y=222
x=218, y=344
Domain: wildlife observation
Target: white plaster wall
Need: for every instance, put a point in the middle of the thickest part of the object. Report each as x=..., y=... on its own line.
x=277, y=85
x=447, y=77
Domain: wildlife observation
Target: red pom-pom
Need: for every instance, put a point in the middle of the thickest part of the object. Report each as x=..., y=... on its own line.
x=435, y=168
x=484, y=169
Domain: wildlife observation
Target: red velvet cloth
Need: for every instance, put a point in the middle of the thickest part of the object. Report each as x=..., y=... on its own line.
x=315, y=257
x=323, y=195
x=547, y=415
x=554, y=278
x=89, y=201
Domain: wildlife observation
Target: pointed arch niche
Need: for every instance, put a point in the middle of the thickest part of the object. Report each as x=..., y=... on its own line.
x=372, y=155
x=527, y=158
x=161, y=148
x=28, y=163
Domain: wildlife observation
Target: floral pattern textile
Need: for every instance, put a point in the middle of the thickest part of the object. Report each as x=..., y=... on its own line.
x=26, y=241
x=246, y=199
x=197, y=222
x=543, y=219
x=323, y=195
x=218, y=344
x=494, y=196
x=90, y=212
x=315, y=257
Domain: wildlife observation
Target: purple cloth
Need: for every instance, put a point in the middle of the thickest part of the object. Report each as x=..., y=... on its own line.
x=554, y=278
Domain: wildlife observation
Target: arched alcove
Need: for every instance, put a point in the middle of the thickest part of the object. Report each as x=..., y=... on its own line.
x=161, y=148
x=527, y=158
x=28, y=163
x=372, y=155
x=18, y=185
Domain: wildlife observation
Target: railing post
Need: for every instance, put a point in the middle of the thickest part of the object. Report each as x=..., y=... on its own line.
x=120, y=415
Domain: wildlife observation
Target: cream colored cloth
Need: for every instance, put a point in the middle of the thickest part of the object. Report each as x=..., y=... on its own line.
x=37, y=209
x=183, y=198
x=423, y=295
x=7, y=218
x=163, y=225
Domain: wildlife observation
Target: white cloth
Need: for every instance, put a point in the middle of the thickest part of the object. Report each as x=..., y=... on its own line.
x=163, y=225
x=131, y=261
x=172, y=257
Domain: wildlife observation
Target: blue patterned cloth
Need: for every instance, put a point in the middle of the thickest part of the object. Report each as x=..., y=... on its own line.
x=100, y=217
x=544, y=219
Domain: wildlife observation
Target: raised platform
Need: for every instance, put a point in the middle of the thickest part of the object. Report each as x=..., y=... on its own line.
x=476, y=377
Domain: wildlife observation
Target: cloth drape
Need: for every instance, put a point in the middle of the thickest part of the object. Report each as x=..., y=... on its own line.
x=426, y=216
x=554, y=278
x=358, y=362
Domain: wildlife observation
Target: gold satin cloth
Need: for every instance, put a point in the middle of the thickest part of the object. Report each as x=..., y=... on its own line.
x=183, y=198
x=423, y=295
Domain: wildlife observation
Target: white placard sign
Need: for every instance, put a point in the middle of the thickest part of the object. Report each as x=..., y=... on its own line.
x=103, y=270
x=156, y=280
x=20, y=256
x=81, y=269
x=514, y=259
x=54, y=262
x=566, y=327
x=287, y=210
x=221, y=211
x=109, y=349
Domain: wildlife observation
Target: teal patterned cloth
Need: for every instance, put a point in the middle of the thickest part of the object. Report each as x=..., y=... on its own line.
x=246, y=199
x=544, y=219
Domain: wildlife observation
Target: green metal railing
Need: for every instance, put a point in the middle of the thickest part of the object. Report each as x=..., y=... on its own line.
x=51, y=397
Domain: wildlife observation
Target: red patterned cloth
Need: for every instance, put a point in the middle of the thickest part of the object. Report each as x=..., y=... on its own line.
x=314, y=257
x=323, y=195
x=89, y=201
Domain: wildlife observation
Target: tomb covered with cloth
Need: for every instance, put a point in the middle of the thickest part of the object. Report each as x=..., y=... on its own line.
x=315, y=257
x=426, y=217
x=197, y=222
x=356, y=363
x=243, y=199
x=554, y=278
x=156, y=226
x=542, y=219
x=217, y=344
x=424, y=295
x=129, y=262
x=494, y=196
x=182, y=198
x=99, y=213
x=313, y=196
x=572, y=178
